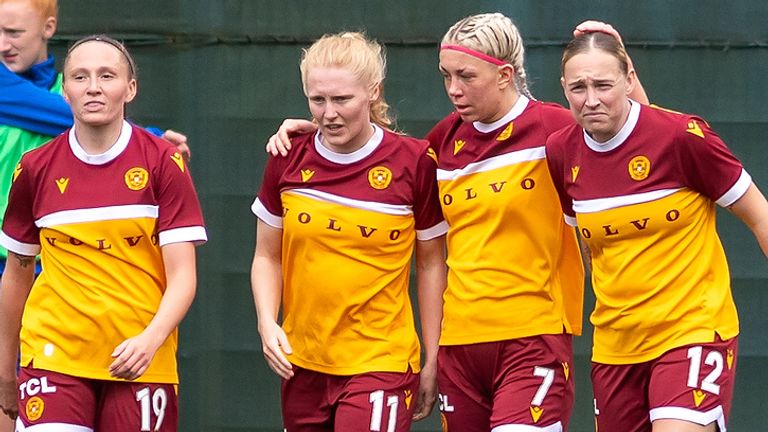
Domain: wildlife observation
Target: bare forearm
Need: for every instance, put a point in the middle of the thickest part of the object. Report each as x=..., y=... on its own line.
x=266, y=272
x=752, y=209
x=175, y=304
x=16, y=284
x=586, y=254
x=266, y=285
x=179, y=261
x=431, y=312
x=431, y=278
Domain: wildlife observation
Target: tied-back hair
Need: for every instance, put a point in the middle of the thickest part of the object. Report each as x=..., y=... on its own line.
x=497, y=36
x=596, y=40
x=354, y=52
x=44, y=8
x=132, y=70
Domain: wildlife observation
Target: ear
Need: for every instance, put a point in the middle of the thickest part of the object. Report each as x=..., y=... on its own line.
x=506, y=76
x=631, y=81
x=562, y=84
x=49, y=28
x=132, y=90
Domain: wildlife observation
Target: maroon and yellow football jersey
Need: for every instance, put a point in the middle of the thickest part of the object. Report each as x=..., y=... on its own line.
x=349, y=225
x=514, y=265
x=98, y=222
x=644, y=203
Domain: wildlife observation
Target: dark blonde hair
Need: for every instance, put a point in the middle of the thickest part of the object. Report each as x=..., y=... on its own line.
x=363, y=57
x=596, y=40
x=132, y=70
x=44, y=8
x=495, y=35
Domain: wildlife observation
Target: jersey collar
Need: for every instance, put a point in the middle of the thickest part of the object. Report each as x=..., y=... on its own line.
x=357, y=155
x=619, y=138
x=517, y=109
x=107, y=156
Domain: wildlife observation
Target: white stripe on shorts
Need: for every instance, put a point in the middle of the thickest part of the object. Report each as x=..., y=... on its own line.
x=51, y=427
x=687, y=414
x=556, y=427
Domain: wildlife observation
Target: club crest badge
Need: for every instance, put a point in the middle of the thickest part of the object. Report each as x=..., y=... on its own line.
x=136, y=178
x=34, y=408
x=639, y=168
x=379, y=177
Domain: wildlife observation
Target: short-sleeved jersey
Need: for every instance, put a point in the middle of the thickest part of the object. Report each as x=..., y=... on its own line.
x=349, y=225
x=644, y=203
x=514, y=265
x=98, y=222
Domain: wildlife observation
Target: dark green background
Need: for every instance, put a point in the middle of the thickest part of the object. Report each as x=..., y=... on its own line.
x=225, y=72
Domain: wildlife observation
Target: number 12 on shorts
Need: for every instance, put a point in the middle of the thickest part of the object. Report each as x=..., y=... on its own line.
x=158, y=401
x=715, y=359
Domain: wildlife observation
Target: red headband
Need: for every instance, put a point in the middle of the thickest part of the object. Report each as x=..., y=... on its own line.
x=474, y=53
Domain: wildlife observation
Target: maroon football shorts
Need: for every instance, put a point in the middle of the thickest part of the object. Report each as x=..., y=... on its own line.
x=72, y=404
x=692, y=383
x=499, y=385
x=376, y=401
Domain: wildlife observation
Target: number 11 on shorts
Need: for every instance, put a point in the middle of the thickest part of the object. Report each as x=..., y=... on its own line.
x=377, y=413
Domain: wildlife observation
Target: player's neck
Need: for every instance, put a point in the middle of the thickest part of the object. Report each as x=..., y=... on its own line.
x=96, y=140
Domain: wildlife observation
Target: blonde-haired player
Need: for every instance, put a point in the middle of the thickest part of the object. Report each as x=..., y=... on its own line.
x=338, y=221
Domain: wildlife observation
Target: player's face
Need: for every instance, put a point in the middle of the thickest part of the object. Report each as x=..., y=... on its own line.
x=341, y=105
x=597, y=91
x=24, y=35
x=98, y=84
x=472, y=86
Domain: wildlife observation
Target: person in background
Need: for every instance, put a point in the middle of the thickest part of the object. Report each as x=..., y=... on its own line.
x=505, y=357
x=338, y=222
x=112, y=211
x=641, y=184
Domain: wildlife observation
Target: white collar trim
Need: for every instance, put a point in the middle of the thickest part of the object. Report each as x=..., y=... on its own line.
x=621, y=136
x=517, y=109
x=100, y=159
x=357, y=155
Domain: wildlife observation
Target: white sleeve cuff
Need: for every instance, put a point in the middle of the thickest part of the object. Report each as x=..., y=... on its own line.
x=262, y=213
x=570, y=220
x=194, y=234
x=737, y=190
x=430, y=233
x=17, y=247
